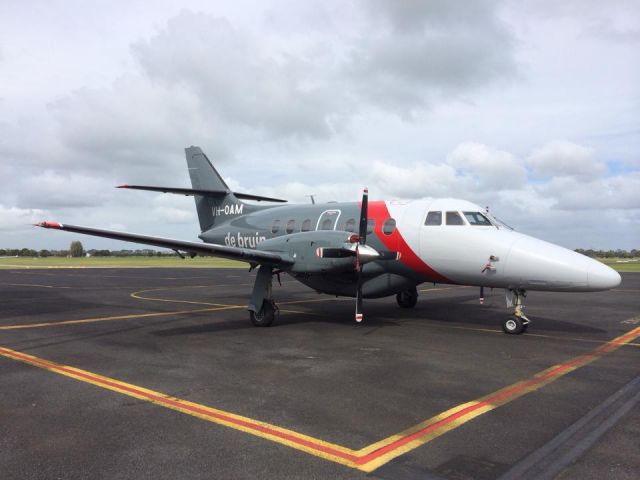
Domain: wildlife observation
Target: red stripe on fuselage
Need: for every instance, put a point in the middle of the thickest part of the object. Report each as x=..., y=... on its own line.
x=395, y=242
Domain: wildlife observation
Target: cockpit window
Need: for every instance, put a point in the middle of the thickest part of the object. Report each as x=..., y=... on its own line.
x=434, y=218
x=454, y=218
x=477, y=218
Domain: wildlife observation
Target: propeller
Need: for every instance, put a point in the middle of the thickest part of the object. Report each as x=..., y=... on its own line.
x=362, y=240
x=356, y=246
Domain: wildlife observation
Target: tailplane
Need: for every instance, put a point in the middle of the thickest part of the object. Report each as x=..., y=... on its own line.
x=215, y=202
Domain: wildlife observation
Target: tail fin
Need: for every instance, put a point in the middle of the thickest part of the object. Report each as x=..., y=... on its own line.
x=212, y=209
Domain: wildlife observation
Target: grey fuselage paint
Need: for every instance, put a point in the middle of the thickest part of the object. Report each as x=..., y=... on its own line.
x=255, y=229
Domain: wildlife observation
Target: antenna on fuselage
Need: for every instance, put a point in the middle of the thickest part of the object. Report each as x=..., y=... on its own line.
x=313, y=199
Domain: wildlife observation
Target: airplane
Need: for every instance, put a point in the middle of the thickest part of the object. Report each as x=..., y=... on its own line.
x=368, y=249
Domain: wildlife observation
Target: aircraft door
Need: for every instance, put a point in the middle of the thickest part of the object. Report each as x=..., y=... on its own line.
x=328, y=220
x=459, y=250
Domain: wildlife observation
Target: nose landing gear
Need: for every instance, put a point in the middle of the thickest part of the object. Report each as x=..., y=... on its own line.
x=519, y=322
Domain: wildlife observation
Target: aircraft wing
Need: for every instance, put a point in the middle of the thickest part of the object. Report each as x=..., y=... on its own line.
x=205, y=249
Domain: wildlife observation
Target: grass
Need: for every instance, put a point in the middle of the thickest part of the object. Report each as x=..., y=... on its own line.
x=119, y=262
x=622, y=264
x=619, y=264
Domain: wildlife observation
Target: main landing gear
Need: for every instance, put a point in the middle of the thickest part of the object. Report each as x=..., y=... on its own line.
x=518, y=322
x=407, y=298
x=266, y=315
x=262, y=308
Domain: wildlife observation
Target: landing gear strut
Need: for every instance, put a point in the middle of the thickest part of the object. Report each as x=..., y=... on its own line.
x=407, y=298
x=262, y=309
x=519, y=322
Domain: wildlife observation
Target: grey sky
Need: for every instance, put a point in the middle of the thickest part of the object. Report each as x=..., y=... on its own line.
x=530, y=107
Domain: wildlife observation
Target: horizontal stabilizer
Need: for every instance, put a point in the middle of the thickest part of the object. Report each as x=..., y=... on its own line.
x=204, y=193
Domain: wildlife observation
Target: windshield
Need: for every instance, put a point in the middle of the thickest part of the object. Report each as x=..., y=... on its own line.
x=477, y=218
x=497, y=222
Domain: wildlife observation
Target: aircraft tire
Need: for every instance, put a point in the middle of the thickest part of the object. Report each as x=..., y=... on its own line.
x=266, y=316
x=407, y=298
x=513, y=326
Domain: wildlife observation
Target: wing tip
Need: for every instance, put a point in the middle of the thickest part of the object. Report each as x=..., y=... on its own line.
x=49, y=224
x=124, y=185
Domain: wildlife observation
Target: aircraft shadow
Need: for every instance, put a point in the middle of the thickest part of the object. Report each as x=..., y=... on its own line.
x=456, y=311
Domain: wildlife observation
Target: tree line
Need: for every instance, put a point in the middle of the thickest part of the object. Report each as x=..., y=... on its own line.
x=610, y=253
x=77, y=250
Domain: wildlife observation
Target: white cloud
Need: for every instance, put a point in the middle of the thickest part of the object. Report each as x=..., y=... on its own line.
x=55, y=190
x=491, y=168
x=411, y=98
x=14, y=219
x=417, y=181
x=617, y=192
x=563, y=158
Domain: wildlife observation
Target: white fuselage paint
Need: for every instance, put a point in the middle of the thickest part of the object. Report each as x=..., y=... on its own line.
x=462, y=253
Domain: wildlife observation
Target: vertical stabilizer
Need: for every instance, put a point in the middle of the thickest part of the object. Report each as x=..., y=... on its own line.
x=215, y=208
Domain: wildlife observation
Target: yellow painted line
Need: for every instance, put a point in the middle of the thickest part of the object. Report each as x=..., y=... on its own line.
x=423, y=323
x=366, y=459
x=426, y=290
x=118, y=317
x=32, y=285
x=138, y=295
x=391, y=447
x=316, y=300
x=271, y=432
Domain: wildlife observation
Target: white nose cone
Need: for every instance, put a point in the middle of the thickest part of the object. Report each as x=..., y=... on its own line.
x=602, y=277
x=538, y=265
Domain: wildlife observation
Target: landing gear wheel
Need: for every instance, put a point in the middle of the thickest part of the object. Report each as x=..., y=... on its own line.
x=407, y=298
x=513, y=326
x=265, y=316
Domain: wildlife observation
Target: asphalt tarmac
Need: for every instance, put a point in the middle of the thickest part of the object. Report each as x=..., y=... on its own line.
x=157, y=373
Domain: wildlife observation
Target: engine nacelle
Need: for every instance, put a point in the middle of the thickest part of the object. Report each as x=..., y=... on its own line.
x=303, y=248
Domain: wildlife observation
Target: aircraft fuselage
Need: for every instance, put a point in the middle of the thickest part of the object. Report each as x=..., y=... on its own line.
x=463, y=251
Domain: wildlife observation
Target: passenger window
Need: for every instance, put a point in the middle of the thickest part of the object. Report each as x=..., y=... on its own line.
x=350, y=226
x=434, y=218
x=454, y=218
x=306, y=225
x=389, y=226
x=477, y=218
x=371, y=225
x=291, y=225
x=275, y=227
x=327, y=224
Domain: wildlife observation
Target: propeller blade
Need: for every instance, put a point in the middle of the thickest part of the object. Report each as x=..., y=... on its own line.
x=359, y=315
x=362, y=233
x=362, y=240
